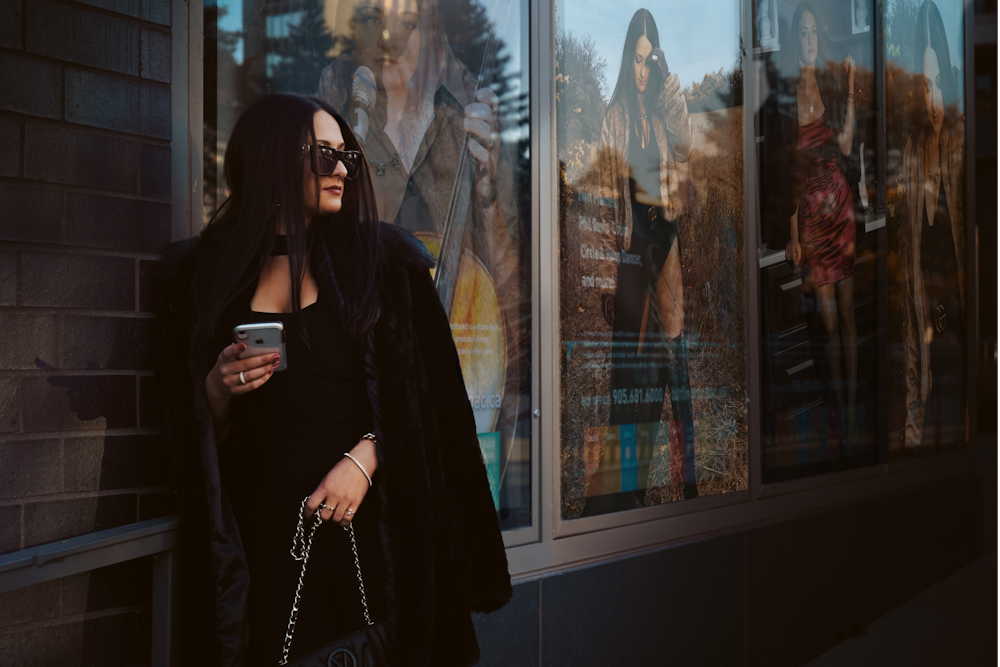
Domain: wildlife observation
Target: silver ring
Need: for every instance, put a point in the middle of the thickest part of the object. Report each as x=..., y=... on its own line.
x=350, y=511
x=324, y=506
x=243, y=380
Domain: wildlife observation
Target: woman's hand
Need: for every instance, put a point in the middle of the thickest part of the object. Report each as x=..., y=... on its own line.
x=793, y=252
x=223, y=382
x=481, y=122
x=659, y=59
x=851, y=68
x=793, y=249
x=345, y=486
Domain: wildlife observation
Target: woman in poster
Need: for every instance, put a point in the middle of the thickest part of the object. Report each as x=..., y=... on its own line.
x=932, y=245
x=422, y=109
x=819, y=134
x=645, y=134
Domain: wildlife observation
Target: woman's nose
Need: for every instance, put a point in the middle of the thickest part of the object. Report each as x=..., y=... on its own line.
x=391, y=43
x=341, y=169
x=385, y=40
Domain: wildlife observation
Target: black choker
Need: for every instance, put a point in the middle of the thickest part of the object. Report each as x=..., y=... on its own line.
x=280, y=246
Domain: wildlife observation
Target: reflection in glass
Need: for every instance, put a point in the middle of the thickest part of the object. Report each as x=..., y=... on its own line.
x=823, y=224
x=821, y=290
x=653, y=383
x=437, y=96
x=931, y=239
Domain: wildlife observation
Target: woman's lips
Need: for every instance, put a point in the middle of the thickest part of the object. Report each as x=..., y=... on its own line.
x=334, y=189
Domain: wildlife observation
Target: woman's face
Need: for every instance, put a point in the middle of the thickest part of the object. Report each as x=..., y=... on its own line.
x=331, y=188
x=808, y=39
x=639, y=63
x=933, y=98
x=387, y=39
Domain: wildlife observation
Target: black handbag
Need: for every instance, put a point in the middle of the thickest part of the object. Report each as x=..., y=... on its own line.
x=371, y=647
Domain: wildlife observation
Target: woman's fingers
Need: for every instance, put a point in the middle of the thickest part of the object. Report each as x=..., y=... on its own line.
x=231, y=351
x=260, y=361
x=480, y=129
x=231, y=371
x=314, y=501
x=480, y=111
x=658, y=57
x=488, y=97
x=253, y=379
x=346, y=511
x=481, y=155
x=339, y=511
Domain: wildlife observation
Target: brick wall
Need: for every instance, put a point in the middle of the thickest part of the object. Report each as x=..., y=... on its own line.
x=84, y=215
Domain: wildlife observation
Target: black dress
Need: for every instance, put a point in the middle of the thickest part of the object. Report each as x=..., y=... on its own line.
x=638, y=275
x=285, y=437
x=638, y=377
x=944, y=412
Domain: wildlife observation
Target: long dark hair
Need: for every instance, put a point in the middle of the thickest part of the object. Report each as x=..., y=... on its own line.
x=263, y=170
x=625, y=90
x=930, y=32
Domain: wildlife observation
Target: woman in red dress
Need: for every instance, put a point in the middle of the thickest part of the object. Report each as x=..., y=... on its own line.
x=823, y=231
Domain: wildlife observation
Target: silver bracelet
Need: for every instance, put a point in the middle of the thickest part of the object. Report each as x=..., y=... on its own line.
x=358, y=463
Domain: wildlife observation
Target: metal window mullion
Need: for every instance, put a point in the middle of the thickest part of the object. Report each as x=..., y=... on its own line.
x=751, y=251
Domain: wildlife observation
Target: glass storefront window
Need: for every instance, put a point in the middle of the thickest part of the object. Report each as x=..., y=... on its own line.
x=438, y=93
x=653, y=382
x=821, y=185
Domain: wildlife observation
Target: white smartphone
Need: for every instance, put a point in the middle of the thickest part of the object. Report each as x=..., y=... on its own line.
x=262, y=338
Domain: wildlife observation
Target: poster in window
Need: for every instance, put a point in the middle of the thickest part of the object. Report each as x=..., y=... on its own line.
x=437, y=93
x=929, y=410
x=652, y=289
x=821, y=224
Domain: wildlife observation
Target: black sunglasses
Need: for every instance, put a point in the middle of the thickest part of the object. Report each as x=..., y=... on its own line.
x=325, y=159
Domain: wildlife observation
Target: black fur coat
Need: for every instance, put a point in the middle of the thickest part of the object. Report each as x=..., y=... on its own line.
x=444, y=552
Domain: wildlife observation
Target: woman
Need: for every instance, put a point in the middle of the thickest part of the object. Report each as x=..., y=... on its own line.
x=363, y=324
x=646, y=132
x=425, y=112
x=932, y=246
x=822, y=223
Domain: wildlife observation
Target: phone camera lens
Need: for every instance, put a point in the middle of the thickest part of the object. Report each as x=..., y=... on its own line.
x=242, y=335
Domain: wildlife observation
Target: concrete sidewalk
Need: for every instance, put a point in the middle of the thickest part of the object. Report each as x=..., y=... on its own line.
x=953, y=622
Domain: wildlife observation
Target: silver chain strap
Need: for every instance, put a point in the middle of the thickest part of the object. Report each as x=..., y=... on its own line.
x=301, y=546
